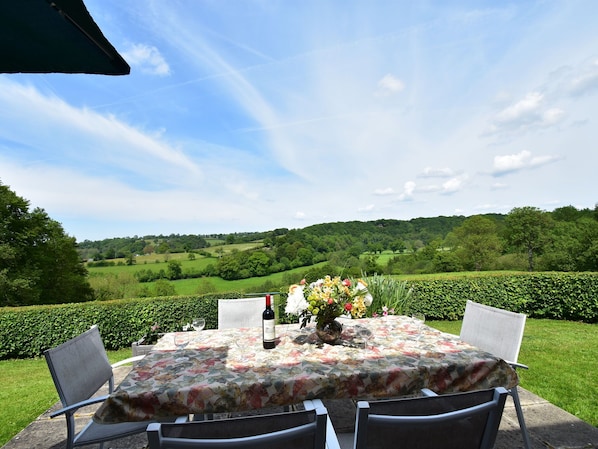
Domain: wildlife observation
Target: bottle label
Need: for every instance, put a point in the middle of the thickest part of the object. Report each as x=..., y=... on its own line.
x=269, y=332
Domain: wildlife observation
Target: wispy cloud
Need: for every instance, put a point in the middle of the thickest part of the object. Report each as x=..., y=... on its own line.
x=147, y=58
x=521, y=161
x=389, y=85
x=529, y=112
x=586, y=81
x=431, y=172
x=385, y=191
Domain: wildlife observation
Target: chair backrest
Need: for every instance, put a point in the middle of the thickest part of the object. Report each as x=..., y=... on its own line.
x=494, y=330
x=303, y=429
x=241, y=312
x=453, y=421
x=79, y=367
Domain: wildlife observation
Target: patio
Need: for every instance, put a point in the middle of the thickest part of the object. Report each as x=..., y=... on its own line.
x=549, y=427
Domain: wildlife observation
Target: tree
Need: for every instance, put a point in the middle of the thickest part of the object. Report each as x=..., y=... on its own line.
x=174, y=270
x=527, y=228
x=478, y=242
x=39, y=263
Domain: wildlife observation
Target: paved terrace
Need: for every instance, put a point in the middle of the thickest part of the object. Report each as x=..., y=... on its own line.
x=549, y=427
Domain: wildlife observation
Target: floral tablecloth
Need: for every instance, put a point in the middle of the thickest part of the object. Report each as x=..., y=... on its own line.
x=228, y=370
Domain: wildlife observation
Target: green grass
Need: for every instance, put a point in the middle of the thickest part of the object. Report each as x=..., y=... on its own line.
x=191, y=286
x=561, y=355
x=27, y=391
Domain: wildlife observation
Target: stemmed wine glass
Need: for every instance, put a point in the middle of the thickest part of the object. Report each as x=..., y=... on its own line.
x=181, y=340
x=198, y=324
x=418, y=319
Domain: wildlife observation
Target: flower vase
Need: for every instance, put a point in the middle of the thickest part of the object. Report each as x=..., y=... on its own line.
x=329, y=331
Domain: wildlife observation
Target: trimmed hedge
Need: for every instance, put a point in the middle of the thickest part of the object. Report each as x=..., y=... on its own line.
x=557, y=296
x=28, y=331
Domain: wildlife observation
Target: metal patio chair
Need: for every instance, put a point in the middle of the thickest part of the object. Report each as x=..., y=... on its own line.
x=451, y=421
x=79, y=368
x=309, y=428
x=241, y=312
x=499, y=332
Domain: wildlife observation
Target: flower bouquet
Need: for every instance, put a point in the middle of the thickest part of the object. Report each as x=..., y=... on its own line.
x=327, y=299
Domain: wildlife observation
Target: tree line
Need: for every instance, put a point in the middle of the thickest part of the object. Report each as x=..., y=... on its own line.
x=40, y=264
x=527, y=238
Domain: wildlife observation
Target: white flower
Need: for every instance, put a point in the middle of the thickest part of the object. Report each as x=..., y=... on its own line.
x=367, y=299
x=296, y=302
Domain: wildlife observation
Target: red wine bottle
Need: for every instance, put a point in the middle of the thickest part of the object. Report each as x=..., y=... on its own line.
x=268, y=332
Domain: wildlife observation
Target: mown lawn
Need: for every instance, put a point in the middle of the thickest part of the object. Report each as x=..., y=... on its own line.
x=562, y=358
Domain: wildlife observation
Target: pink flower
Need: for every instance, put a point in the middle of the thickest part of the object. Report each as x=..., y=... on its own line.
x=347, y=283
x=348, y=307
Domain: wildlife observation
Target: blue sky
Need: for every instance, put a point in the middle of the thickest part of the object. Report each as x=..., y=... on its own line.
x=255, y=115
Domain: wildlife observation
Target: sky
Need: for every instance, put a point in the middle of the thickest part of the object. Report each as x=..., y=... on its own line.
x=248, y=116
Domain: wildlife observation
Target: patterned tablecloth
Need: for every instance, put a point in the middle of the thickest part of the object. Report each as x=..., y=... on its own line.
x=228, y=370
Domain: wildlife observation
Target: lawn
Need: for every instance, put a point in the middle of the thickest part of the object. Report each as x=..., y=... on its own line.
x=561, y=355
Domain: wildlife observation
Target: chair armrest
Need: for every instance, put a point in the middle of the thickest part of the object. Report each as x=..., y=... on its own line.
x=78, y=405
x=516, y=365
x=312, y=404
x=129, y=360
x=428, y=392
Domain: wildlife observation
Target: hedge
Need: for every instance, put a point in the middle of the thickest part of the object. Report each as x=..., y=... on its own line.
x=27, y=331
x=557, y=296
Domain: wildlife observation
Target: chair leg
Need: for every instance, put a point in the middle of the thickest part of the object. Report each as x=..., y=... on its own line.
x=523, y=427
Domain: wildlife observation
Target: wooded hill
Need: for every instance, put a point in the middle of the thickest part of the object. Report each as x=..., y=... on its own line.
x=525, y=239
x=416, y=232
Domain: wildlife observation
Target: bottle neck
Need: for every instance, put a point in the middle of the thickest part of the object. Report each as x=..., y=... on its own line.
x=268, y=301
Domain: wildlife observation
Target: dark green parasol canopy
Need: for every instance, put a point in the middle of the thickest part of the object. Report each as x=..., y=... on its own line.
x=54, y=36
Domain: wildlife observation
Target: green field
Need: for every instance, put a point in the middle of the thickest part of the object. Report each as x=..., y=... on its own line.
x=156, y=262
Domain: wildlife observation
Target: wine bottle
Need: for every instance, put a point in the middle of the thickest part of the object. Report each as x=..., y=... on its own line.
x=268, y=332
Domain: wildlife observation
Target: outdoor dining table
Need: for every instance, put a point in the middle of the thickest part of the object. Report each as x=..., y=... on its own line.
x=227, y=370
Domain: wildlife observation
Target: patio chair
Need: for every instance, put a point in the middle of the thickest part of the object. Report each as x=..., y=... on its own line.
x=308, y=428
x=452, y=421
x=241, y=312
x=79, y=368
x=499, y=332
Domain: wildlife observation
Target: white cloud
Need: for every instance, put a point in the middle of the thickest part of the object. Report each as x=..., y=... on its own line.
x=430, y=172
x=454, y=184
x=147, y=58
x=522, y=110
x=384, y=192
x=515, y=162
x=100, y=139
x=389, y=85
x=527, y=113
x=551, y=116
x=585, y=82
x=511, y=162
x=408, y=190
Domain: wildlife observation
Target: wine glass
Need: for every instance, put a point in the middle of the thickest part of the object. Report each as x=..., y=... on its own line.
x=418, y=319
x=181, y=340
x=198, y=324
x=364, y=335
